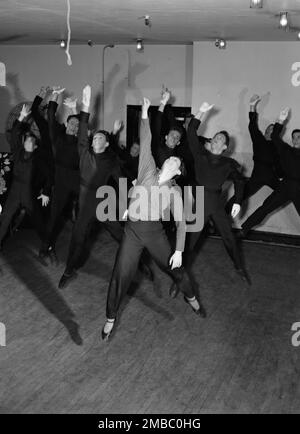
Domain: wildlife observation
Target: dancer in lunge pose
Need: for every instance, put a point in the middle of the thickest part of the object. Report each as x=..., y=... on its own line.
x=289, y=189
x=145, y=230
x=212, y=169
x=267, y=168
x=98, y=163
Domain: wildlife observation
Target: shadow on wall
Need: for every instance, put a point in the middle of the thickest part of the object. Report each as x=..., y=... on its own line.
x=243, y=109
x=108, y=84
x=124, y=85
x=10, y=96
x=94, y=124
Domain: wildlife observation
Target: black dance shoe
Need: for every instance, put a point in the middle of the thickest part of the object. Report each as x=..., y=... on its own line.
x=244, y=276
x=66, y=279
x=105, y=335
x=201, y=311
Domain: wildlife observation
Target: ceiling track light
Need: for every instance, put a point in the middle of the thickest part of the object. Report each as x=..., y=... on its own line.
x=283, y=20
x=298, y=35
x=220, y=43
x=256, y=4
x=62, y=44
x=147, y=20
x=139, y=45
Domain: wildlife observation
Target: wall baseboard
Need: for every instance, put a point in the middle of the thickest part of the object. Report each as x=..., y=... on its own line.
x=269, y=238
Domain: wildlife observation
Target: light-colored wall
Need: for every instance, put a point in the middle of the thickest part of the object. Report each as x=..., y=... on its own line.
x=128, y=75
x=228, y=78
x=194, y=74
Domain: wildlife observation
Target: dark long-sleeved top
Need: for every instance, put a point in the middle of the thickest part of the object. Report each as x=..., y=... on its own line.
x=30, y=168
x=289, y=156
x=64, y=145
x=129, y=165
x=150, y=207
x=45, y=148
x=211, y=171
x=95, y=169
x=161, y=151
x=264, y=152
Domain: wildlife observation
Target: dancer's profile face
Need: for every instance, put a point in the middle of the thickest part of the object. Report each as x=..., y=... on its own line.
x=99, y=143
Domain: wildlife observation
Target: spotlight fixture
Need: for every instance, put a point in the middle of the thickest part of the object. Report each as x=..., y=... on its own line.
x=256, y=4
x=139, y=45
x=62, y=44
x=220, y=43
x=147, y=20
x=298, y=35
x=90, y=43
x=283, y=20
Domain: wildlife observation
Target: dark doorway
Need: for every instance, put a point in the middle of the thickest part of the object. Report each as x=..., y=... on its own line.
x=182, y=114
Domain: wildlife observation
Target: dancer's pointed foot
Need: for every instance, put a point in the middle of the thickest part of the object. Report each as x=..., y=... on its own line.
x=196, y=306
x=108, y=328
x=66, y=278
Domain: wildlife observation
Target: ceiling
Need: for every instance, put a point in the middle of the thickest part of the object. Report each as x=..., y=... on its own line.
x=117, y=21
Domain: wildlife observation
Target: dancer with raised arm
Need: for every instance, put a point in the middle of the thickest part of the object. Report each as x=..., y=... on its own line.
x=289, y=190
x=212, y=169
x=267, y=169
x=144, y=228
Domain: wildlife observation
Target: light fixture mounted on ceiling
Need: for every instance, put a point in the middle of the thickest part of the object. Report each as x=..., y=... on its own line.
x=62, y=44
x=139, y=45
x=147, y=20
x=298, y=35
x=220, y=43
x=283, y=20
x=256, y=4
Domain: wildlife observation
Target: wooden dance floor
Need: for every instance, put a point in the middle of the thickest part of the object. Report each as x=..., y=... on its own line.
x=162, y=358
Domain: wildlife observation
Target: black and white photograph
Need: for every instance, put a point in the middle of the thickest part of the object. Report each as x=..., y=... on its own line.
x=149, y=210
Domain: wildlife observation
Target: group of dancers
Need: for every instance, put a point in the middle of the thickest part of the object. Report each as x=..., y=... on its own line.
x=70, y=162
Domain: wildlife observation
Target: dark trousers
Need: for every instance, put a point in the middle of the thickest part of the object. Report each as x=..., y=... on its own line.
x=214, y=209
x=86, y=217
x=261, y=175
x=289, y=191
x=66, y=187
x=21, y=197
x=137, y=236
